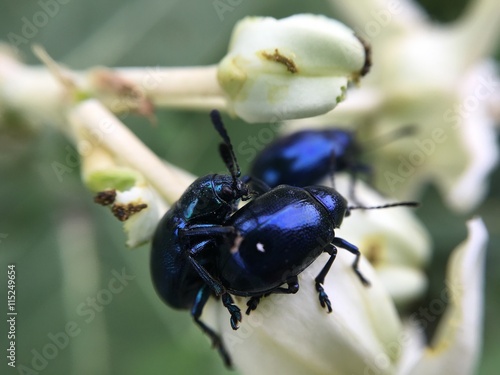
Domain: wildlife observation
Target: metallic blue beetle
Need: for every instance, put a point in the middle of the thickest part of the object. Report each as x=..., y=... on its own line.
x=305, y=157
x=276, y=237
x=193, y=225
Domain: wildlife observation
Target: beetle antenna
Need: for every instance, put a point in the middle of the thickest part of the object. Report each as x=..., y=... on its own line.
x=227, y=157
x=225, y=149
x=406, y=204
x=403, y=131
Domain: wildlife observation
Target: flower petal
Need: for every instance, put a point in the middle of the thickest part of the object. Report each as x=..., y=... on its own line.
x=405, y=284
x=392, y=239
x=268, y=99
x=319, y=45
x=456, y=345
x=293, y=334
x=141, y=225
x=478, y=135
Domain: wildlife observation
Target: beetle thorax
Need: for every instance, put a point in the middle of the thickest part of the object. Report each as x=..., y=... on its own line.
x=332, y=200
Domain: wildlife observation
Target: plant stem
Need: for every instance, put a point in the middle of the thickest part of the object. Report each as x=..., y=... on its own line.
x=92, y=118
x=167, y=85
x=41, y=96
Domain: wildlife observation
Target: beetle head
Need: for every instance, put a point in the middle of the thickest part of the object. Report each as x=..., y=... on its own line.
x=228, y=189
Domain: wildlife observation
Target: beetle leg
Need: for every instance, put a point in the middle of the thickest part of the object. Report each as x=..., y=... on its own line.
x=354, y=171
x=207, y=230
x=234, y=310
x=213, y=283
x=210, y=232
x=196, y=310
x=352, y=186
x=292, y=288
x=352, y=249
x=320, y=279
x=252, y=303
x=219, y=290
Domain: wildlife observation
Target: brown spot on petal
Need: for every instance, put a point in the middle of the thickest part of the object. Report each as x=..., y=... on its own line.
x=281, y=59
x=123, y=211
x=105, y=197
x=373, y=249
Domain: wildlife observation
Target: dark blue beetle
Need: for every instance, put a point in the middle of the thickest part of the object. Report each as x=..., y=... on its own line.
x=276, y=237
x=191, y=226
x=305, y=157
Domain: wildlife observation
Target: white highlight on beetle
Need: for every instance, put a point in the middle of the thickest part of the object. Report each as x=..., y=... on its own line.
x=260, y=247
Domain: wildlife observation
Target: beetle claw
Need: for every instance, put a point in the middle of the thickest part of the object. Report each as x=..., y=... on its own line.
x=323, y=298
x=252, y=304
x=235, y=317
x=234, y=310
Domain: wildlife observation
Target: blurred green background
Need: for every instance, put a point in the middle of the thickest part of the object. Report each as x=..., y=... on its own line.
x=66, y=248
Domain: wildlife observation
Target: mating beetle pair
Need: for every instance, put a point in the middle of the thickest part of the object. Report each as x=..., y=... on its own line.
x=205, y=246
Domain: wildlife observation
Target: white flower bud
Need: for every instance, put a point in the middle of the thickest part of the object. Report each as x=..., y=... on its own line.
x=291, y=68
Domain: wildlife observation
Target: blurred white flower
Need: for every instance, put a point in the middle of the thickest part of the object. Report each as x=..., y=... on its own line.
x=456, y=345
x=292, y=334
x=393, y=240
x=295, y=67
x=437, y=77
